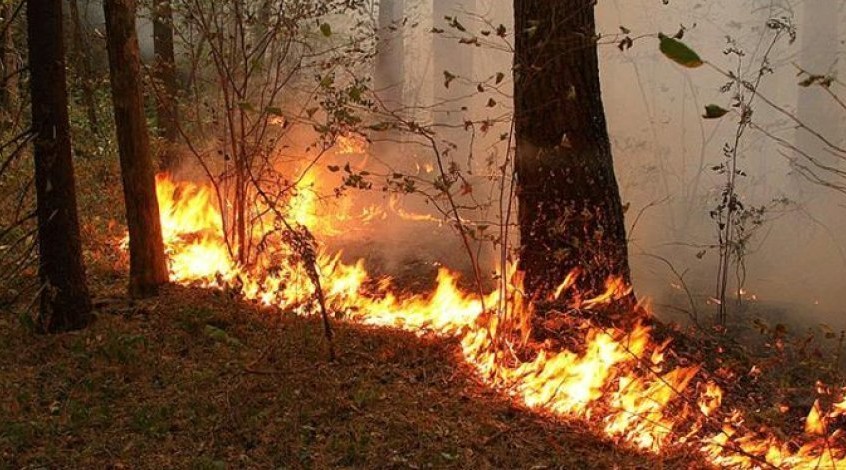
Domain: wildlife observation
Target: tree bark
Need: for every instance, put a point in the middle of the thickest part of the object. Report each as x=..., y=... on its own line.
x=9, y=62
x=147, y=262
x=570, y=212
x=65, y=303
x=164, y=73
x=84, y=67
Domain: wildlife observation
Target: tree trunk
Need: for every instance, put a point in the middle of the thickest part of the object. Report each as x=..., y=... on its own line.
x=83, y=65
x=9, y=62
x=147, y=263
x=390, y=53
x=64, y=300
x=164, y=73
x=570, y=213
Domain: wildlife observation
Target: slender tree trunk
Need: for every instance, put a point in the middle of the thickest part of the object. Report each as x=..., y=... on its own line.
x=84, y=67
x=147, y=263
x=390, y=53
x=164, y=73
x=570, y=212
x=64, y=300
x=9, y=62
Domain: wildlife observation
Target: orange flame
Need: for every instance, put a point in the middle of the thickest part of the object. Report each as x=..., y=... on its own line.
x=618, y=381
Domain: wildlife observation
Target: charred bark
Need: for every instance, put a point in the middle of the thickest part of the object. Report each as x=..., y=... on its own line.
x=164, y=73
x=65, y=303
x=570, y=212
x=147, y=263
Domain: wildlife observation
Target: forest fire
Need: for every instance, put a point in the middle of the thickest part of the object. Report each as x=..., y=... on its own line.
x=469, y=193
x=619, y=381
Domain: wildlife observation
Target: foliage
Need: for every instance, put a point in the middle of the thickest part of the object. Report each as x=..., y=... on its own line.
x=256, y=69
x=679, y=52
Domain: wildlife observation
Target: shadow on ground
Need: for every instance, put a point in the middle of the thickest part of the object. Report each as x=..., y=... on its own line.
x=195, y=379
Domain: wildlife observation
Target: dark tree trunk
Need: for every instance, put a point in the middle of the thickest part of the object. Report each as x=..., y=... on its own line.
x=147, y=263
x=9, y=62
x=570, y=212
x=83, y=66
x=64, y=301
x=164, y=73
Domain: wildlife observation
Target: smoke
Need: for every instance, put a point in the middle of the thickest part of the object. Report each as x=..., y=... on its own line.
x=666, y=154
x=91, y=15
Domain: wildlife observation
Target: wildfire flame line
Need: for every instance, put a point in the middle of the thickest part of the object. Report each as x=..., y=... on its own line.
x=619, y=381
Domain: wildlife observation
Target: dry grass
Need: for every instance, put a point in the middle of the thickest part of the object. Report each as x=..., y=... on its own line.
x=196, y=380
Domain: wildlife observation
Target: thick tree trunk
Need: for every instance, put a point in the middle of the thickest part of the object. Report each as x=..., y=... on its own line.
x=83, y=65
x=164, y=73
x=147, y=263
x=64, y=301
x=570, y=212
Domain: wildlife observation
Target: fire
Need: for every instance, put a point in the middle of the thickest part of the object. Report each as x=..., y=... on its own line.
x=618, y=381
x=815, y=422
x=711, y=399
x=351, y=144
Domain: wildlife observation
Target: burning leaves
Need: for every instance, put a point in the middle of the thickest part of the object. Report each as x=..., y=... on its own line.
x=619, y=381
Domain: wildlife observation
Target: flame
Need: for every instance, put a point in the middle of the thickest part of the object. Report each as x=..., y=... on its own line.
x=569, y=282
x=351, y=144
x=839, y=409
x=617, y=381
x=711, y=399
x=815, y=422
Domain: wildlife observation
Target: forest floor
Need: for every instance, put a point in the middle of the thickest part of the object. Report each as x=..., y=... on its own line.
x=194, y=379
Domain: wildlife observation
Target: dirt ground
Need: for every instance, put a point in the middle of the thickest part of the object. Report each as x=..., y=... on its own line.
x=195, y=379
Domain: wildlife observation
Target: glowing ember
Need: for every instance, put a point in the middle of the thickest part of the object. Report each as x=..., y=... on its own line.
x=618, y=381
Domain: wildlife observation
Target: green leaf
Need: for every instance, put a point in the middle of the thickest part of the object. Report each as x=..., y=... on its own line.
x=678, y=52
x=713, y=111
x=274, y=110
x=326, y=29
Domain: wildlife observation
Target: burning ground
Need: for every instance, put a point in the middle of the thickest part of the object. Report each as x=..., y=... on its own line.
x=619, y=377
x=199, y=379
x=229, y=367
x=657, y=395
